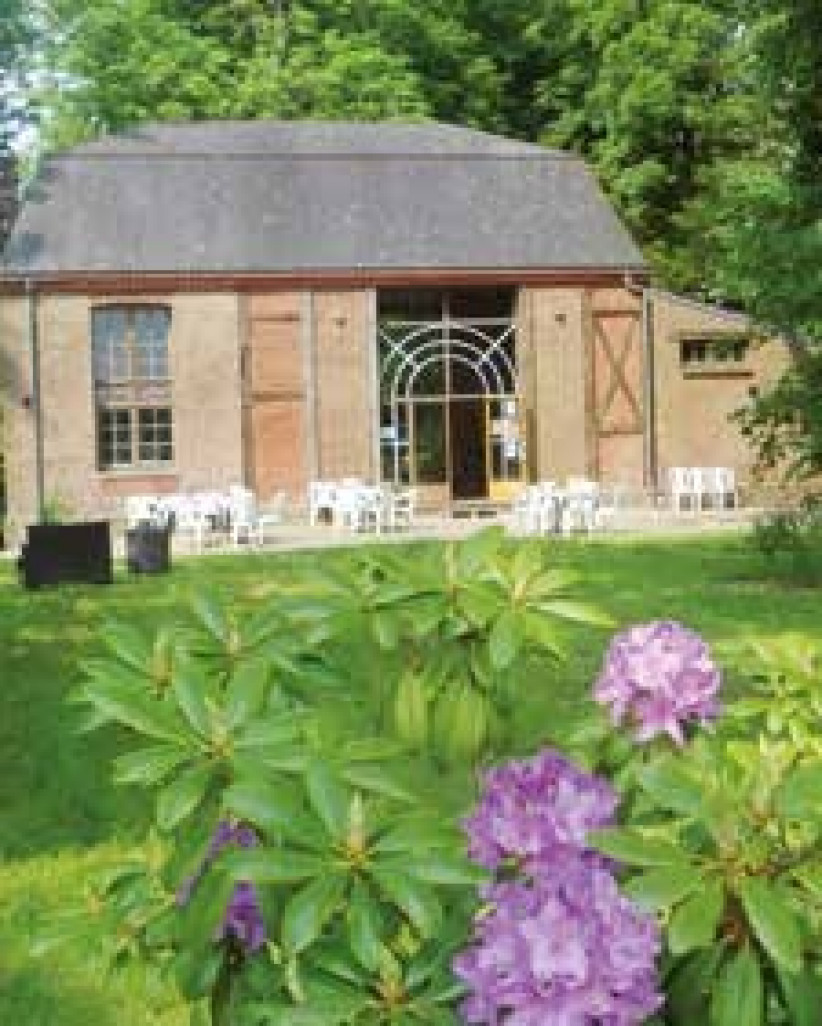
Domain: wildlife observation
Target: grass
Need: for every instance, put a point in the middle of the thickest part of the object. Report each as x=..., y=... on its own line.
x=61, y=819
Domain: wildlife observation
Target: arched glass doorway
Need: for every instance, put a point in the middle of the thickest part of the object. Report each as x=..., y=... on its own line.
x=449, y=395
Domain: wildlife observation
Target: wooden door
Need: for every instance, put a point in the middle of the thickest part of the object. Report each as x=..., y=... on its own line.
x=616, y=391
x=274, y=396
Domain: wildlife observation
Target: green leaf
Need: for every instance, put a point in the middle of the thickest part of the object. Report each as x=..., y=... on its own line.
x=275, y=810
x=635, y=848
x=273, y=732
x=694, y=923
x=202, y=916
x=445, y=870
x=210, y=616
x=148, y=765
x=272, y=867
x=688, y=987
x=672, y=787
x=179, y=798
x=246, y=692
x=188, y=687
x=375, y=780
x=773, y=922
x=505, y=639
x=803, y=997
x=417, y=901
x=364, y=928
x=308, y=910
x=196, y=970
x=576, y=612
x=800, y=794
x=663, y=887
x=128, y=645
x=737, y=996
x=542, y=631
x=416, y=834
x=135, y=709
x=327, y=797
x=385, y=630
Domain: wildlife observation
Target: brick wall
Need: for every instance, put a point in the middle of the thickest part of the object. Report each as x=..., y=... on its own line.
x=204, y=362
x=553, y=371
x=693, y=405
x=18, y=415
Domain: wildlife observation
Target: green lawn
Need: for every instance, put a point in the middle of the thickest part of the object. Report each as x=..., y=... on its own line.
x=60, y=818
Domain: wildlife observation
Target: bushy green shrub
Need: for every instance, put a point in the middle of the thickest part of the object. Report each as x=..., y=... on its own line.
x=294, y=878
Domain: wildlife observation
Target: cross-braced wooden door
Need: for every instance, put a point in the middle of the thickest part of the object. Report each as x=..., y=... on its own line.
x=617, y=395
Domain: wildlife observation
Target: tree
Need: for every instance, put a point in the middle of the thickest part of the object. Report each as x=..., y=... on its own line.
x=174, y=59
x=15, y=34
x=665, y=103
x=768, y=255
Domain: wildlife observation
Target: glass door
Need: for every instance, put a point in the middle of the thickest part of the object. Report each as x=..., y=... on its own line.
x=505, y=447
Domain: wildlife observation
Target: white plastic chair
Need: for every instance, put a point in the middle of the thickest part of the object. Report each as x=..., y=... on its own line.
x=579, y=509
x=401, y=507
x=190, y=520
x=525, y=509
x=141, y=509
x=248, y=521
x=374, y=508
x=548, y=501
x=722, y=486
x=701, y=486
x=322, y=498
x=681, y=486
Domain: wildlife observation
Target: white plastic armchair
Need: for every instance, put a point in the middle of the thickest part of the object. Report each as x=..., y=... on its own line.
x=190, y=520
x=249, y=523
x=140, y=509
x=401, y=507
x=525, y=509
x=722, y=487
x=579, y=510
x=681, y=487
x=322, y=498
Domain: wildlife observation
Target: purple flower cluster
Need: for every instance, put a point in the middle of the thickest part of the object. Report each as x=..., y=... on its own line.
x=557, y=944
x=531, y=807
x=659, y=677
x=243, y=920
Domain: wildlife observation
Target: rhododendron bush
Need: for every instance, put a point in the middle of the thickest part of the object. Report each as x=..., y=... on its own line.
x=661, y=863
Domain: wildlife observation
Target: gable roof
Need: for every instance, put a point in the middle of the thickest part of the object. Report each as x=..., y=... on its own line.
x=271, y=196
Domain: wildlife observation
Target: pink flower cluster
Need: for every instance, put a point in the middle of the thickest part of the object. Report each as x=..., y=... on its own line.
x=659, y=678
x=242, y=921
x=531, y=807
x=557, y=944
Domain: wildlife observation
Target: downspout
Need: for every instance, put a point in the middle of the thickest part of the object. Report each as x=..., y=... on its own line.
x=651, y=469
x=36, y=401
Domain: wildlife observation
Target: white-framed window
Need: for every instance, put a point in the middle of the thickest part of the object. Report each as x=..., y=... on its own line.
x=132, y=385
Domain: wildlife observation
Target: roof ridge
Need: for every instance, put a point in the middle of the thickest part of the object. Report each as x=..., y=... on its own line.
x=240, y=155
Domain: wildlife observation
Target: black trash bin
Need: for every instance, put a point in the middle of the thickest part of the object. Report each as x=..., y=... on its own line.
x=147, y=549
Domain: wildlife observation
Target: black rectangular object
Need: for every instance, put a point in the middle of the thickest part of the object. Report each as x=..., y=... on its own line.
x=67, y=552
x=147, y=549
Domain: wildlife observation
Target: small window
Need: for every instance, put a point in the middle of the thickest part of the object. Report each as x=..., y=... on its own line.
x=132, y=387
x=713, y=354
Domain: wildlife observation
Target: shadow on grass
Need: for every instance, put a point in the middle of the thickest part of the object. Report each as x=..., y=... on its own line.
x=35, y=997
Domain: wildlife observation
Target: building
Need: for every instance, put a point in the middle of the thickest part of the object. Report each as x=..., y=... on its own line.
x=193, y=305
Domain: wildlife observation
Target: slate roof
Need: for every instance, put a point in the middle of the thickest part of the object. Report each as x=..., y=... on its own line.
x=272, y=196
